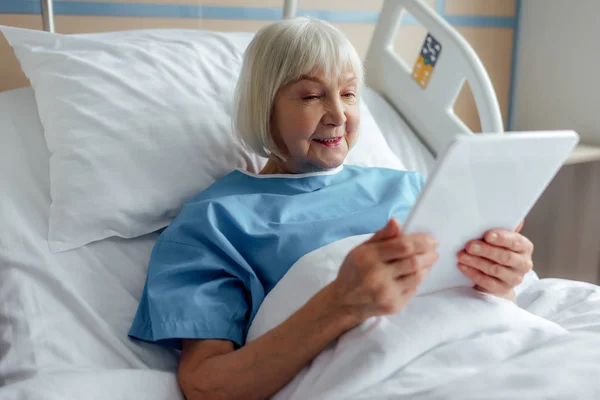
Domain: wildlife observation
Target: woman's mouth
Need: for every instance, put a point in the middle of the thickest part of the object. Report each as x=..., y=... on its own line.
x=329, y=142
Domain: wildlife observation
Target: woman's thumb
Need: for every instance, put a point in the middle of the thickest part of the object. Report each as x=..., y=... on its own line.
x=390, y=230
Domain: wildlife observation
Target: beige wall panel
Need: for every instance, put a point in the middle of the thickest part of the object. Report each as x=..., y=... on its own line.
x=239, y=3
x=494, y=8
x=244, y=3
x=359, y=35
x=88, y=24
x=348, y=5
x=85, y=24
x=431, y=3
x=494, y=47
x=466, y=109
x=11, y=76
x=233, y=25
x=409, y=40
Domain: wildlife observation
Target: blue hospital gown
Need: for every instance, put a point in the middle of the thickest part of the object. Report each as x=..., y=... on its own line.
x=213, y=266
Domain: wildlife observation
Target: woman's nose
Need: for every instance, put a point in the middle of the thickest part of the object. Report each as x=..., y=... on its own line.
x=335, y=114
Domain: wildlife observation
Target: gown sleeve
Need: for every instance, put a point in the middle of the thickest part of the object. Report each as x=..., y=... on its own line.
x=198, y=285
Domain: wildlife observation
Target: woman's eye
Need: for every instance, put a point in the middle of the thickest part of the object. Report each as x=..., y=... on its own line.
x=311, y=97
x=349, y=95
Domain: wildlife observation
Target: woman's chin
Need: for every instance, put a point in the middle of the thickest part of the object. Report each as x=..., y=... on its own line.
x=331, y=162
x=330, y=158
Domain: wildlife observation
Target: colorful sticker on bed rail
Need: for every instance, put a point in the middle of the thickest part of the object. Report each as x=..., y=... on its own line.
x=430, y=53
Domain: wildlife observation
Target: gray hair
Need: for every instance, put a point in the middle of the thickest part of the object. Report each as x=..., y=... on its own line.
x=280, y=54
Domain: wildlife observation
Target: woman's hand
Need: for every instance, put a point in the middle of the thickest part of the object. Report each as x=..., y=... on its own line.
x=379, y=276
x=497, y=263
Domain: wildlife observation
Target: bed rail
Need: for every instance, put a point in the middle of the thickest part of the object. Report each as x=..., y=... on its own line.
x=48, y=15
x=430, y=111
x=289, y=8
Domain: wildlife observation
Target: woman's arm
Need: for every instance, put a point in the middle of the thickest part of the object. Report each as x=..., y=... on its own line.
x=378, y=277
x=211, y=369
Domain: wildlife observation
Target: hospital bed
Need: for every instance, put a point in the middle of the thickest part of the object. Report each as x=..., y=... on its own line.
x=65, y=315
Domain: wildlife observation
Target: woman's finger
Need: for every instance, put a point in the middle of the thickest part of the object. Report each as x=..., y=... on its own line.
x=509, y=276
x=509, y=240
x=390, y=230
x=412, y=281
x=413, y=264
x=404, y=246
x=484, y=281
x=499, y=255
x=520, y=227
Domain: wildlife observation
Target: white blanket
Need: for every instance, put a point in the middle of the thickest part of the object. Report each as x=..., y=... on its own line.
x=457, y=343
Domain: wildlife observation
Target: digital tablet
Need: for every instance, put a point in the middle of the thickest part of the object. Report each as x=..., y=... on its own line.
x=482, y=182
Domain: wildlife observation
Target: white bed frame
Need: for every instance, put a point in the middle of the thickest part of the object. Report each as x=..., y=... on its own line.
x=430, y=111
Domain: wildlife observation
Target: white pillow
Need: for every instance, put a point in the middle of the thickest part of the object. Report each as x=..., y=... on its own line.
x=400, y=138
x=371, y=148
x=67, y=313
x=138, y=123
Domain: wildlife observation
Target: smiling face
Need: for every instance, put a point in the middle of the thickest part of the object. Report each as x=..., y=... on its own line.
x=296, y=100
x=314, y=122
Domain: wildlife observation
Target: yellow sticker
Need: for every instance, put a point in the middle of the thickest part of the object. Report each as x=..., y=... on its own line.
x=425, y=64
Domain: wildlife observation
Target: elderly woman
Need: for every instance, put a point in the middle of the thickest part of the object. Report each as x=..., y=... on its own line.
x=297, y=104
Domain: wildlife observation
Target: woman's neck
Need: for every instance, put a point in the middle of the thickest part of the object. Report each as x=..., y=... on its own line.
x=272, y=167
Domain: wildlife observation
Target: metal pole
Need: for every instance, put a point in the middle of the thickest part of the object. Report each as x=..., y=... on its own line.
x=289, y=8
x=48, y=15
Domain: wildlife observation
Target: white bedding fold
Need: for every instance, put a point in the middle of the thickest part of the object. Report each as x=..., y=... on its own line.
x=117, y=384
x=443, y=338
